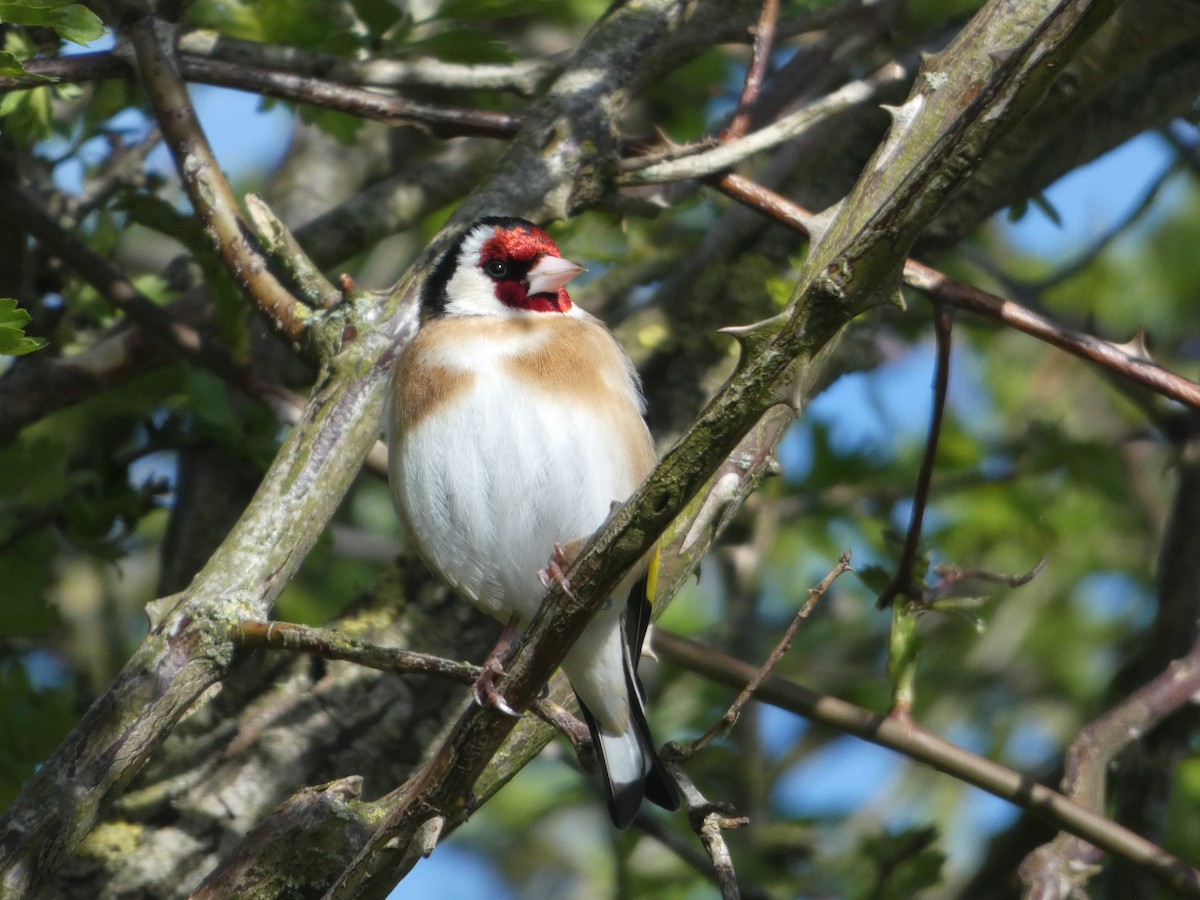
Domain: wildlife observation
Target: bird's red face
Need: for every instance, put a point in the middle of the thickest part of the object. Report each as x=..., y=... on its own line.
x=527, y=269
x=501, y=266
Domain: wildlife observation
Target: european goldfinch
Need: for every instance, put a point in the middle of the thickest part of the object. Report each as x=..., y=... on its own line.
x=516, y=425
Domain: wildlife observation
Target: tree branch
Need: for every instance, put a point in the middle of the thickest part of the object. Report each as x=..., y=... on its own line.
x=1008, y=312
x=121, y=293
x=569, y=133
x=726, y=155
x=910, y=739
x=442, y=121
x=333, y=645
x=1062, y=867
x=205, y=184
x=764, y=41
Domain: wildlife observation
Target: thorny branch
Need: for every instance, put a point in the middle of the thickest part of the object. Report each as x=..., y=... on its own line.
x=703, y=161
x=326, y=644
x=332, y=645
x=856, y=263
x=998, y=309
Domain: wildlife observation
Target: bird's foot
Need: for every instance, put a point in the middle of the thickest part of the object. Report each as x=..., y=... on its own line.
x=486, y=693
x=556, y=569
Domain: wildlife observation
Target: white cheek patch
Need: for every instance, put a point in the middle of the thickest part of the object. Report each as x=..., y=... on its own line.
x=470, y=292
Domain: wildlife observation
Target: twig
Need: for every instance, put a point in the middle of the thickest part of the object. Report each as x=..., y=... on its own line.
x=684, y=848
x=328, y=644
x=72, y=69
x=521, y=77
x=708, y=820
x=332, y=645
x=998, y=309
x=278, y=241
x=124, y=167
x=724, y=156
x=760, y=57
x=727, y=721
x=205, y=184
x=711, y=830
x=442, y=121
x=903, y=582
x=1104, y=353
x=950, y=576
x=913, y=741
x=1055, y=868
x=120, y=292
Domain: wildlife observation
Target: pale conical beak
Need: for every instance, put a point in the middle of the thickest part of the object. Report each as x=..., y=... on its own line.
x=550, y=273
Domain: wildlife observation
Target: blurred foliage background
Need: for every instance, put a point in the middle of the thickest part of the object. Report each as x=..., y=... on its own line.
x=112, y=495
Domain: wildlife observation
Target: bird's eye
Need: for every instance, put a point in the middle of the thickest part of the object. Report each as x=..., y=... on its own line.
x=497, y=268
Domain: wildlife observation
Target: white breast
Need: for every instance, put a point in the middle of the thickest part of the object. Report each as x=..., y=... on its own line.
x=504, y=466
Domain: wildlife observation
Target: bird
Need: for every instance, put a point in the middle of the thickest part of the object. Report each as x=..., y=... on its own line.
x=516, y=427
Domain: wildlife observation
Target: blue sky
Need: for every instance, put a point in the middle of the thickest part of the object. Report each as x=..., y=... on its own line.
x=1093, y=198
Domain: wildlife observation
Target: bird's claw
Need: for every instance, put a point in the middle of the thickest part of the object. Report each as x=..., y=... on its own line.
x=486, y=693
x=556, y=571
x=647, y=650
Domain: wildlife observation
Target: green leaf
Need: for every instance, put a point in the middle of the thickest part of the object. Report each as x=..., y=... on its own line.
x=491, y=9
x=905, y=863
x=45, y=715
x=28, y=114
x=10, y=66
x=338, y=125
x=876, y=578
x=13, y=340
x=71, y=21
x=463, y=44
x=378, y=15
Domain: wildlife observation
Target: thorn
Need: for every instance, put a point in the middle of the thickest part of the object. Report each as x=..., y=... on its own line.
x=429, y=833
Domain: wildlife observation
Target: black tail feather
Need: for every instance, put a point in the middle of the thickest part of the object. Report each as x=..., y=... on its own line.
x=656, y=785
x=623, y=800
